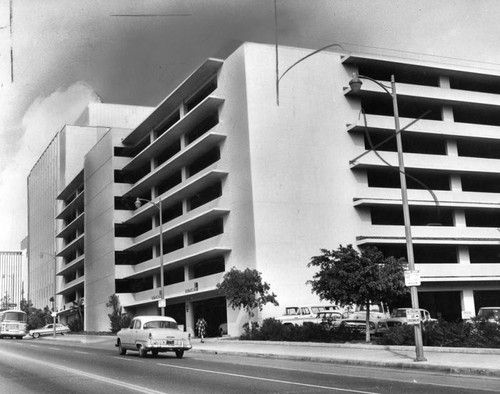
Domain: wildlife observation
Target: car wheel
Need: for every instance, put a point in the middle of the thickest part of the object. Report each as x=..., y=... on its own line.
x=36, y=335
x=142, y=352
x=121, y=350
x=155, y=352
x=179, y=353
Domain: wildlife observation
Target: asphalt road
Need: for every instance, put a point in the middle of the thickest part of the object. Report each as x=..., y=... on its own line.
x=38, y=366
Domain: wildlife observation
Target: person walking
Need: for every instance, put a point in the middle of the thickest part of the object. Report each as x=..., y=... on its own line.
x=201, y=326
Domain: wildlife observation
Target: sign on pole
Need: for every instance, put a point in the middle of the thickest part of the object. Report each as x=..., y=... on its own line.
x=413, y=316
x=412, y=278
x=162, y=303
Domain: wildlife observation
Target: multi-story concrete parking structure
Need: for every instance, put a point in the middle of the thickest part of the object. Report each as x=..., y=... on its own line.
x=245, y=182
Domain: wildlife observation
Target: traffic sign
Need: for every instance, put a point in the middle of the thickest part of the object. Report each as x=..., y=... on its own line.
x=412, y=278
x=413, y=316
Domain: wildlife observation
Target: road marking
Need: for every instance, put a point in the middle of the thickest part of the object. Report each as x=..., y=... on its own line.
x=34, y=345
x=54, y=348
x=268, y=380
x=76, y=351
x=129, y=359
x=89, y=375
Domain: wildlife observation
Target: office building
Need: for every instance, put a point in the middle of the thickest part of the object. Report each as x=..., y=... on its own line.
x=245, y=182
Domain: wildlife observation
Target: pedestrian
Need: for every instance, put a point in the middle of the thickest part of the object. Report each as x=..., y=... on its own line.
x=201, y=326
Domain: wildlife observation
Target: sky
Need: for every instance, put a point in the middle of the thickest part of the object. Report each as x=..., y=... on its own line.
x=69, y=53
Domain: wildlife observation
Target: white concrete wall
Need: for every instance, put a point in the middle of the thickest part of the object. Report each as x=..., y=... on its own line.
x=301, y=181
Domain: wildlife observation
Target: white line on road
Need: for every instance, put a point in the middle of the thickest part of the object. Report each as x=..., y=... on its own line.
x=76, y=351
x=103, y=379
x=268, y=380
x=54, y=348
x=129, y=359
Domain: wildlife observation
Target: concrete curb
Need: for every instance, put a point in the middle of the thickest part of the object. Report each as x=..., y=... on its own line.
x=435, y=349
x=386, y=364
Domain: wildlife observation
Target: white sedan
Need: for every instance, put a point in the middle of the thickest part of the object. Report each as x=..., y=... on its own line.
x=153, y=334
x=49, y=329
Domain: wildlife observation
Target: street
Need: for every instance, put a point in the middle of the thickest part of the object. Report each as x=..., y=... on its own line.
x=44, y=366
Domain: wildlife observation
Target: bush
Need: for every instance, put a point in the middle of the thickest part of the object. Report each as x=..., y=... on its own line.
x=447, y=334
x=76, y=325
x=444, y=334
x=274, y=330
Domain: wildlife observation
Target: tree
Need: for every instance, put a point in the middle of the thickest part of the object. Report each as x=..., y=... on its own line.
x=347, y=277
x=118, y=319
x=36, y=318
x=245, y=289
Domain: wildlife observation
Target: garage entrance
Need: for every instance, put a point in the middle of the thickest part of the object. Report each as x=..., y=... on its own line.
x=213, y=310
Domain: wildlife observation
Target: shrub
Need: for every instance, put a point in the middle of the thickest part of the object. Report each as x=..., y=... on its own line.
x=273, y=330
x=75, y=325
x=447, y=334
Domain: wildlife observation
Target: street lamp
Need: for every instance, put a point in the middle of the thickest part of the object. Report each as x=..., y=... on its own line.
x=54, y=313
x=138, y=203
x=355, y=84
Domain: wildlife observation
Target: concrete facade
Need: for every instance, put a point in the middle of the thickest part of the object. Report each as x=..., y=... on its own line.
x=244, y=182
x=12, y=277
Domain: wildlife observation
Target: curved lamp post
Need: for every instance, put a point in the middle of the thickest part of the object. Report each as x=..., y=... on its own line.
x=138, y=204
x=55, y=286
x=355, y=84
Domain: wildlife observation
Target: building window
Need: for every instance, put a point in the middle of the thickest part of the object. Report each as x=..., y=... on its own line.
x=402, y=73
x=484, y=254
x=489, y=149
x=201, y=94
x=423, y=253
x=209, y=267
x=204, y=161
x=483, y=183
x=201, y=128
x=388, y=177
x=419, y=216
x=412, y=143
x=170, y=182
x=206, y=195
x=175, y=275
x=207, y=231
x=167, y=124
x=168, y=152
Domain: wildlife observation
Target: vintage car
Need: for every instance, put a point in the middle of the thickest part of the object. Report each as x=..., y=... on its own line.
x=307, y=313
x=399, y=317
x=49, y=330
x=377, y=317
x=153, y=334
x=489, y=314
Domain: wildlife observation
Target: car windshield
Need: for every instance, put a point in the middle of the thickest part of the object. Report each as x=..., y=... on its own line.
x=400, y=313
x=160, y=324
x=15, y=316
x=489, y=314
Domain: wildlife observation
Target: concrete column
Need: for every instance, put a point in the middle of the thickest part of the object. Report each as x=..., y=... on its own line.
x=190, y=323
x=467, y=302
x=463, y=254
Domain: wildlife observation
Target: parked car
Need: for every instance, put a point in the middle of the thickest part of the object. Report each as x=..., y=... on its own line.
x=49, y=330
x=490, y=314
x=330, y=319
x=378, y=315
x=153, y=334
x=307, y=313
x=377, y=327
x=399, y=317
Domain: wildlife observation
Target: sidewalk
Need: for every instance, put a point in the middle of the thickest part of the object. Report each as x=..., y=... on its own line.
x=466, y=361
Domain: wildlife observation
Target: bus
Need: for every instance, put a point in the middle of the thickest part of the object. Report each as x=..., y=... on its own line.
x=13, y=324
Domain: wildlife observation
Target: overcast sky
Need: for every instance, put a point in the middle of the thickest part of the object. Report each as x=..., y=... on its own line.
x=68, y=53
